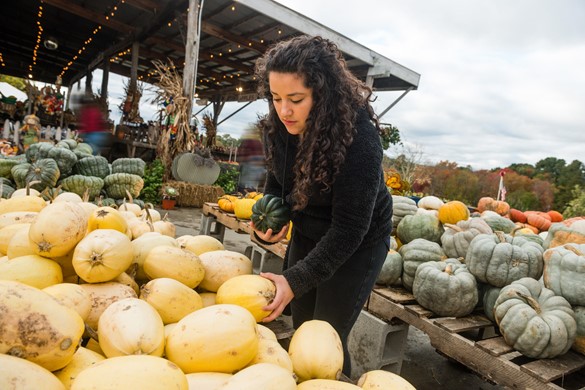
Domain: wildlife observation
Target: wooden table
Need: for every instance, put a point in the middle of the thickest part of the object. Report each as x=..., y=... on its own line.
x=475, y=342
x=212, y=213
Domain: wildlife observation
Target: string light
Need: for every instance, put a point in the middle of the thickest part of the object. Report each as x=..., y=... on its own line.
x=86, y=43
x=2, y=61
x=38, y=43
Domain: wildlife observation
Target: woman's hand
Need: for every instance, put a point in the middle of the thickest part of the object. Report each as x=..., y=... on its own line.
x=269, y=235
x=283, y=296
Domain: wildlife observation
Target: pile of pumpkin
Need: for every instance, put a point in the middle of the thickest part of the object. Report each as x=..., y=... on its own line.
x=239, y=205
x=70, y=166
x=88, y=300
x=527, y=270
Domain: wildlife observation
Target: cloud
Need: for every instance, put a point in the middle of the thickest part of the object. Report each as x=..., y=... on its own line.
x=501, y=82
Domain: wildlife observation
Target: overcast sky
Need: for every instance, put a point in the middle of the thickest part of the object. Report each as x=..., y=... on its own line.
x=501, y=81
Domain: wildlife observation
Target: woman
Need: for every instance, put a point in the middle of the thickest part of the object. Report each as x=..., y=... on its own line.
x=324, y=157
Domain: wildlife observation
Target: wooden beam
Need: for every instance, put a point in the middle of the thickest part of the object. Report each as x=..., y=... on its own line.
x=145, y=5
x=88, y=14
x=139, y=35
x=168, y=43
x=220, y=33
x=222, y=60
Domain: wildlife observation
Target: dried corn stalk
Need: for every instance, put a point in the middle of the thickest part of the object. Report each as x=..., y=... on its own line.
x=170, y=88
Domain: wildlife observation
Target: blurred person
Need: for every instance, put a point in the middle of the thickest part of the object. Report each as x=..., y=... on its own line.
x=252, y=162
x=93, y=128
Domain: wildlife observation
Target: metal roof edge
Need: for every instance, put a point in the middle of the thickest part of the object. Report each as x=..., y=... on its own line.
x=380, y=66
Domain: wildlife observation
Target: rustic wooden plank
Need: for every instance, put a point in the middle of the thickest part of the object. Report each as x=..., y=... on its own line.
x=419, y=311
x=550, y=369
x=495, y=346
x=281, y=328
x=395, y=294
x=462, y=324
x=457, y=347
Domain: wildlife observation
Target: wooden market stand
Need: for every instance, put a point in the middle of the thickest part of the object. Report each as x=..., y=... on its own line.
x=473, y=340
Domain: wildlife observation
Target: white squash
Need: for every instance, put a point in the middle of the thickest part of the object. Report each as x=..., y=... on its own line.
x=265, y=332
x=68, y=197
x=207, y=380
x=200, y=244
x=73, y=296
x=252, y=292
x=316, y=351
x=37, y=327
x=58, y=228
x=171, y=299
x=102, y=255
x=430, y=202
x=208, y=298
x=142, y=245
x=219, y=338
x=270, y=351
x=265, y=376
x=142, y=372
x=327, y=384
x=19, y=244
x=380, y=379
x=103, y=295
x=175, y=263
x=82, y=359
x=14, y=370
x=6, y=234
x=17, y=217
x=221, y=266
x=32, y=270
x=131, y=327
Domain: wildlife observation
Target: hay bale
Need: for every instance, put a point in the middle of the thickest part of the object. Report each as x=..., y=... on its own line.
x=194, y=195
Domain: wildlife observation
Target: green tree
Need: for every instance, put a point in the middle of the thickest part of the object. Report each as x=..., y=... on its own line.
x=576, y=206
x=527, y=170
x=390, y=135
x=16, y=82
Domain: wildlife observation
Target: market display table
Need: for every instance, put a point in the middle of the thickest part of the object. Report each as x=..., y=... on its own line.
x=475, y=342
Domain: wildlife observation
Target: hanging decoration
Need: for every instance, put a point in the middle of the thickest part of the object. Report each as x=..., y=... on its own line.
x=130, y=106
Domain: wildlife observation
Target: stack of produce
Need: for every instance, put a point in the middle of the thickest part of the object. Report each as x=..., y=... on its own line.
x=526, y=269
x=97, y=297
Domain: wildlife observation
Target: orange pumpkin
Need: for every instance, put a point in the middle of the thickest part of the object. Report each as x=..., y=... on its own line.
x=226, y=204
x=517, y=216
x=538, y=219
x=489, y=203
x=453, y=212
x=555, y=216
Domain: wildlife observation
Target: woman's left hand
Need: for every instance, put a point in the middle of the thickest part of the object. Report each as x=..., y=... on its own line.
x=284, y=295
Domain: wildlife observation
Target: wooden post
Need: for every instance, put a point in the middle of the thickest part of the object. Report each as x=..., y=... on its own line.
x=191, y=54
x=88, y=79
x=105, y=78
x=134, y=69
x=65, y=105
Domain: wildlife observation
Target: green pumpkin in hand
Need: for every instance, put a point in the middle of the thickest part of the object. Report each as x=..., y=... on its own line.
x=270, y=212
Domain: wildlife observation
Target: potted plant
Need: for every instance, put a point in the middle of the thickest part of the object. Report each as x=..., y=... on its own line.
x=169, y=197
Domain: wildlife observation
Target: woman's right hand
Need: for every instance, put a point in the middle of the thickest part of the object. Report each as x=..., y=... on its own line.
x=269, y=235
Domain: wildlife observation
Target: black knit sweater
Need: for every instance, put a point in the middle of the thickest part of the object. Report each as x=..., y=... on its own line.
x=357, y=212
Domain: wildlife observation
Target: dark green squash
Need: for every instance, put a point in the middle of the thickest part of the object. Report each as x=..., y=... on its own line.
x=117, y=184
x=134, y=166
x=6, y=165
x=45, y=170
x=79, y=183
x=92, y=166
x=65, y=159
x=270, y=212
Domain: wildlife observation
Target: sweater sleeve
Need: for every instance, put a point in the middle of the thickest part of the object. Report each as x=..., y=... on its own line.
x=354, y=194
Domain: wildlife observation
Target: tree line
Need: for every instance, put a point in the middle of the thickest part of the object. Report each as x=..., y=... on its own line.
x=550, y=184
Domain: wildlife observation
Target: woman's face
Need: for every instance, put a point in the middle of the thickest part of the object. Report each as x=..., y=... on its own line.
x=292, y=100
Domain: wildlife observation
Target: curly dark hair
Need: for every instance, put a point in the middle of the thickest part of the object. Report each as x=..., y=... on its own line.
x=337, y=96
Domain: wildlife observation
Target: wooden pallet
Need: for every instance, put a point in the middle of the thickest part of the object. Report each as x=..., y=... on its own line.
x=241, y=226
x=474, y=341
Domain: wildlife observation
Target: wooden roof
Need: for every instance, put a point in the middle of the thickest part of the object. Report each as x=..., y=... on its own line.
x=233, y=35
